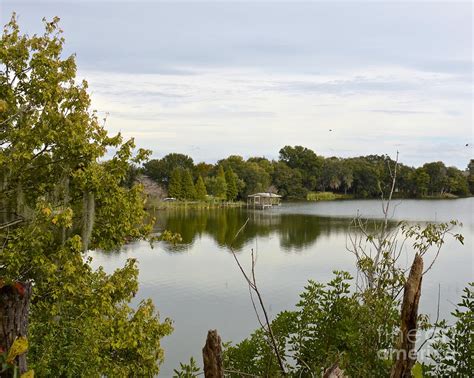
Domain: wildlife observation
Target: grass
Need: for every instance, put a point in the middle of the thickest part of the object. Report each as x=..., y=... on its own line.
x=441, y=196
x=326, y=196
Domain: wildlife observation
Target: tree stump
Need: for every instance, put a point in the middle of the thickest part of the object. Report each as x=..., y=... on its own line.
x=334, y=372
x=14, y=307
x=212, y=356
x=405, y=356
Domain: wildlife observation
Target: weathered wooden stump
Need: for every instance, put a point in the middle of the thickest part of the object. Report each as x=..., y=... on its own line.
x=405, y=356
x=334, y=372
x=212, y=356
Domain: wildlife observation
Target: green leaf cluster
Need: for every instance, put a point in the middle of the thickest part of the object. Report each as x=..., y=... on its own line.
x=330, y=324
x=453, y=346
x=60, y=197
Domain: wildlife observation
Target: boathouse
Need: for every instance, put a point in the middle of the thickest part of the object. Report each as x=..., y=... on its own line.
x=263, y=200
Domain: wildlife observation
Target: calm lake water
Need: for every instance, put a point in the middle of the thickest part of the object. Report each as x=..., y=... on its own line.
x=199, y=286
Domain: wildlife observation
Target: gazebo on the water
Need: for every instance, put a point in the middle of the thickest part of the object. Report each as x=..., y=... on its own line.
x=263, y=200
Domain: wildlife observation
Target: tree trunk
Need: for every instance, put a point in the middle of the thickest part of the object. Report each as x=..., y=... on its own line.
x=212, y=356
x=14, y=307
x=406, y=354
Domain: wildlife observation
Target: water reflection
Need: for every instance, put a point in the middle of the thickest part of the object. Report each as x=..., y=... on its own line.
x=203, y=289
x=296, y=232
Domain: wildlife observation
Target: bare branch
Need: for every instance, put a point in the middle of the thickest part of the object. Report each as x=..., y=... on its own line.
x=251, y=281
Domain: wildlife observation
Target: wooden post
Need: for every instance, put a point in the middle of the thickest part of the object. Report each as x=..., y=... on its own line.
x=14, y=307
x=212, y=356
x=406, y=354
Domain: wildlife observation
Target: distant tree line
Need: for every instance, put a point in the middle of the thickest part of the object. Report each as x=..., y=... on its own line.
x=300, y=170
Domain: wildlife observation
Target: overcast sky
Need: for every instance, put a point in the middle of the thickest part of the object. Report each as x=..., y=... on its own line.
x=211, y=79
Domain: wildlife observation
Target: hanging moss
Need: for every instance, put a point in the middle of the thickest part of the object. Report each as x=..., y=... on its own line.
x=88, y=208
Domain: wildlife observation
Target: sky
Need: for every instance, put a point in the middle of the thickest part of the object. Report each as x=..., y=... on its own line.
x=210, y=79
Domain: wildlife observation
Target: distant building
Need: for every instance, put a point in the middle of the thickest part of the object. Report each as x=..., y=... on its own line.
x=263, y=200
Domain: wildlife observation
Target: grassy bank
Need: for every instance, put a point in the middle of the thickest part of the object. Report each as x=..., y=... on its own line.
x=327, y=196
x=162, y=205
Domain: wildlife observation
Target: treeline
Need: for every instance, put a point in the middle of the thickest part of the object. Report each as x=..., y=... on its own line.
x=299, y=171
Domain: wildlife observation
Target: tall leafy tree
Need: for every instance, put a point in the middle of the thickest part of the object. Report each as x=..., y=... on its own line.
x=220, y=190
x=201, y=193
x=202, y=169
x=438, y=177
x=421, y=180
x=175, y=188
x=231, y=180
x=288, y=181
x=470, y=172
x=187, y=185
x=160, y=170
x=306, y=161
x=59, y=198
x=457, y=182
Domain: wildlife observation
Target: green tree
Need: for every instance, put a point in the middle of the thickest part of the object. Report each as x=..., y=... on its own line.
x=220, y=189
x=330, y=175
x=366, y=181
x=438, y=177
x=201, y=193
x=457, y=182
x=347, y=177
x=288, y=181
x=187, y=186
x=60, y=198
x=231, y=180
x=306, y=161
x=175, y=188
x=470, y=177
x=202, y=169
x=421, y=181
x=252, y=175
x=161, y=169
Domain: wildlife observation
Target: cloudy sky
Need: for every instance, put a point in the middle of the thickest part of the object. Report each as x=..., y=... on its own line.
x=211, y=79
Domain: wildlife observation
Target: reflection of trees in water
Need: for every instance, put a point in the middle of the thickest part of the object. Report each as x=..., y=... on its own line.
x=295, y=231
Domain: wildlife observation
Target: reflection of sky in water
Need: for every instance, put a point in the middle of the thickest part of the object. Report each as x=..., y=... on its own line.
x=199, y=286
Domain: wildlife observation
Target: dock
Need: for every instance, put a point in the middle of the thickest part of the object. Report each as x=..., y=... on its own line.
x=262, y=201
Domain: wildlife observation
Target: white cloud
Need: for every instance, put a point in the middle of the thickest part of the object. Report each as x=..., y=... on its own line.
x=249, y=112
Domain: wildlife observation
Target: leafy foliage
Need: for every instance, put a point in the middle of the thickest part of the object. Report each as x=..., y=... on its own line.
x=83, y=325
x=187, y=370
x=231, y=181
x=330, y=324
x=201, y=192
x=59, y=198
x=453, y=347
x=161, y=169
x=355, y=329
x=188, y=190
x=300, y=170
x=175, y=188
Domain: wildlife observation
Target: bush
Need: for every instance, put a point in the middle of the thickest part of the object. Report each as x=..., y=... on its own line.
x=330, y=325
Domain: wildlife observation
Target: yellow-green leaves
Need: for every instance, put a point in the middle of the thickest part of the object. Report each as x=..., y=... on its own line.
x=28, y=374
x=417, y=370
x=20, y=346
x=53, y=152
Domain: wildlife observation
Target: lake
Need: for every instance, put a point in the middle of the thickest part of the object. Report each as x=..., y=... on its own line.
x=199, y=286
